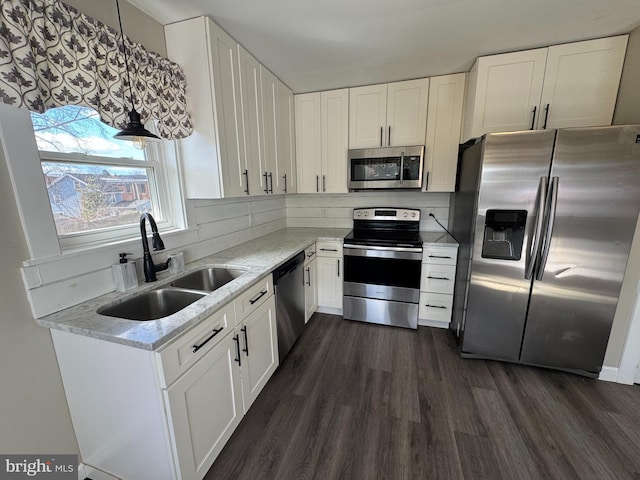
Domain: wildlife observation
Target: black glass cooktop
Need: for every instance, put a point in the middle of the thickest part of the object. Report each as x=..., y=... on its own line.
x=385, y=238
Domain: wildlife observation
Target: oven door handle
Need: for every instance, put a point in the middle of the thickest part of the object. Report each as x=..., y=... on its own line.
x=396, y=253
x=390, y=249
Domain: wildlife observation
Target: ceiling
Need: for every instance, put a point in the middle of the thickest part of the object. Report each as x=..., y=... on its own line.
x=316, y=45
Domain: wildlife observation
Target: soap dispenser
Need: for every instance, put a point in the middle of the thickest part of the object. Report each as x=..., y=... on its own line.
x=124, y=274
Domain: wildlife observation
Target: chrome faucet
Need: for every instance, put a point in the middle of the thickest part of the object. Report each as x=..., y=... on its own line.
x=150, y=268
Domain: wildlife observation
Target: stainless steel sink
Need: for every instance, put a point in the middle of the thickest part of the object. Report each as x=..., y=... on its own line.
x=207, y=279
x=153, y=305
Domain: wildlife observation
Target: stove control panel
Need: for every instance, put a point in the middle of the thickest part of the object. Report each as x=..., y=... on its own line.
x=387, y=214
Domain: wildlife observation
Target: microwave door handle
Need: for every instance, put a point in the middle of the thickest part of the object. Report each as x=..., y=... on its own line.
x=401, y=167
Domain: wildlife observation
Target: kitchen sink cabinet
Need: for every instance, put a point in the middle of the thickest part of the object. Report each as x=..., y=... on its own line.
x=322, y=129
x=330, y=274
x=444, y=122
x=310, y=282
x=436, y=285
x=167, y=414
x=387, y=115
x=569, y=85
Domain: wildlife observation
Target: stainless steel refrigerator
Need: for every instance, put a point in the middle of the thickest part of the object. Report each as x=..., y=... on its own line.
x=545, y=221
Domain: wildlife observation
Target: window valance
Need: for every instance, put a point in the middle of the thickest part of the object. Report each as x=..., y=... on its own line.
x=52, y=55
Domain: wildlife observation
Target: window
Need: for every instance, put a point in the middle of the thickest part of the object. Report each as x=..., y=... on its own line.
x=97, y=185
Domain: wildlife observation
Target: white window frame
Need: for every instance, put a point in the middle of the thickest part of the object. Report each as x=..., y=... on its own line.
x=24, y=161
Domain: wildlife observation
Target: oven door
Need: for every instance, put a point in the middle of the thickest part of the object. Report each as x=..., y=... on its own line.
x=385, y=273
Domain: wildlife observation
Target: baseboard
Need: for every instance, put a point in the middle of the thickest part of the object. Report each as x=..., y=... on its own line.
x=608, y=374
x=433, y=323
x=329, y=310
x=86, y=471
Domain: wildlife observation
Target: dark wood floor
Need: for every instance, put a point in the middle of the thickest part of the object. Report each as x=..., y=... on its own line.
x=358, y=401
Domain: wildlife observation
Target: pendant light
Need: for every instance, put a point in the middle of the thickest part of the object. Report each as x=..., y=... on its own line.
x=133, y=131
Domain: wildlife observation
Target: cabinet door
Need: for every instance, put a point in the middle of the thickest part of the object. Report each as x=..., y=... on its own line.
x=334, y=114
x=503, y=92
x=308, y=142
x=269, y=157
x=259, y=340
x=204, y=408
x=581, y=82
x=329, y=282
x=285, y=182
x=407, y=112
x=310, y=289
x=250, y=93
x=227, y=111
x=367, y=116
x=444, y=120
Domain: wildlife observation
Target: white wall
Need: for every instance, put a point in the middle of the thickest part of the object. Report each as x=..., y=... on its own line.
x=34, y=417
x=335, y=210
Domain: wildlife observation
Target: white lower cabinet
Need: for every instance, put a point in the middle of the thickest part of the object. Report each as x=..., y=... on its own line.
x=436, y=285
x=310, y=282
x=167, y=414
x=204, y=408
x=330, y=273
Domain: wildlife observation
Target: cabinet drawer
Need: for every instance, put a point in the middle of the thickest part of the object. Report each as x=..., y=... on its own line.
x=253, y=298
x=329, y=248
x=440, y=255
x=182, y=353
x=309, y=254
x=437, y=278
x=435, y=306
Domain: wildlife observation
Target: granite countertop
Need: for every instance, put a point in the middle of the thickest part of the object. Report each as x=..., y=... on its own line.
x=258, y=257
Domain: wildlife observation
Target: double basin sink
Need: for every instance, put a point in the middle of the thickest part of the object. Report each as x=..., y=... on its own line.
x=167, y=300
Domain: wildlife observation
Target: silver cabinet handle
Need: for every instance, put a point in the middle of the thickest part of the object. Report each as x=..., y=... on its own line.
x=309, y=273
x=197, y=347
x=401, y=167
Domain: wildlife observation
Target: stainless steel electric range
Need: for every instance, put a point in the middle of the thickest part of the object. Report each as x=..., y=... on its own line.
x=382, y=262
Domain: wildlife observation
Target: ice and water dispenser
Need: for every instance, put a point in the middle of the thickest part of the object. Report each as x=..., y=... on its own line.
x=504, y=234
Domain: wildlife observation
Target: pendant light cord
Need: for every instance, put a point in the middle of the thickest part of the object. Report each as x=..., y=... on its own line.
x=126, y=57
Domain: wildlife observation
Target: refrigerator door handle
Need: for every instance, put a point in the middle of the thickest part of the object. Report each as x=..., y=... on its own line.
x=532, y=254
x=550, y=222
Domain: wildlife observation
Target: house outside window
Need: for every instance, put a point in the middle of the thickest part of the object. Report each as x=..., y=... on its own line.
x=97, y=185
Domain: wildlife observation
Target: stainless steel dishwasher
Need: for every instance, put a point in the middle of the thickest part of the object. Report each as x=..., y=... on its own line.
x=288, y=281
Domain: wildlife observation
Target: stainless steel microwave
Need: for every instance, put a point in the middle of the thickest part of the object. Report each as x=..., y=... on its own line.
x=389, y=167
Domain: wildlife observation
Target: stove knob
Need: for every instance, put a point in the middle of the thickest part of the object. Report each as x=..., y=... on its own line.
x=405, y=214
x=358, y=214
x=413, y=214
x=366, y=214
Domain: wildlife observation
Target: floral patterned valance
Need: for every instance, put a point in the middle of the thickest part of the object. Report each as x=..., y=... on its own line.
x=52, y=55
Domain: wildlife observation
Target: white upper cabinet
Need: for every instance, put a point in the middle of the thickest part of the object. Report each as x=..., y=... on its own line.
x=581, y=82
x=389, y=114
x=213, y=157
x=285, y=181
x=444, y=121
x=242, y=116
x=251, y=97
x=571, y=85
x=322, y=126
